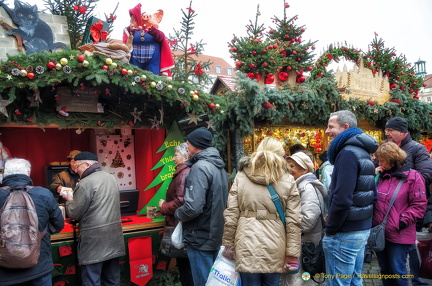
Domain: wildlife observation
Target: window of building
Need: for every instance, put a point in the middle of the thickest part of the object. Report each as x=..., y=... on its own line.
x=229, y=71
x=217, y=69
x=195, y=79
x=428, y=99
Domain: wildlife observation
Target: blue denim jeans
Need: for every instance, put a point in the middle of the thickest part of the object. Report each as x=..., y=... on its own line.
x=201, y=262
x=260, y=279
x=41, y=281
x=392, y=261
x=344, y=254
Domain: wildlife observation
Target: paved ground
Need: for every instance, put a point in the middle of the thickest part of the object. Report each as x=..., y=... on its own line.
x=373, y=268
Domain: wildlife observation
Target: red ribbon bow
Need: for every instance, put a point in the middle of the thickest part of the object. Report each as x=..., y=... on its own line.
x=97, y=33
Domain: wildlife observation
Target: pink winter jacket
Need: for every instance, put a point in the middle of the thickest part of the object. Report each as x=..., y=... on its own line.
x=410, y=204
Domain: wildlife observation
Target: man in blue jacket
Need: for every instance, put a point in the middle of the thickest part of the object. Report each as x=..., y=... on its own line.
x=351, y=198
x=206, y=193
x=16, y=173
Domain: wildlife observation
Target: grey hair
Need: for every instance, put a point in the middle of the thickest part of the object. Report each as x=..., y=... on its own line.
x=182, y=149
x=345, y=116
x=15, y=166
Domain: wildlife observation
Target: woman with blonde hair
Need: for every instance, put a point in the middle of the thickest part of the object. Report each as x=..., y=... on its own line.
x=263, y=247
x=409, y=205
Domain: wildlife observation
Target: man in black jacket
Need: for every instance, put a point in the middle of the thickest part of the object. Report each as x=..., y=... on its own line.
x=206, y=194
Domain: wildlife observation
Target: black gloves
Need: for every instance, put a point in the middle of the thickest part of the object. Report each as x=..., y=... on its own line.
x=402, y=225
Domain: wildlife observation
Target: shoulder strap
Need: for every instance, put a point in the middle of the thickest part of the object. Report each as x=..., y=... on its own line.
x=393, y=199
x=276, y=201
x=319, y=204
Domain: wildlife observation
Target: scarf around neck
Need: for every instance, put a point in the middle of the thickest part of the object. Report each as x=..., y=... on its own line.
x=339, y=141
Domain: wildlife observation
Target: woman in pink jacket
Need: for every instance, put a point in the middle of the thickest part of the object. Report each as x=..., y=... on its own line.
x=410, y=205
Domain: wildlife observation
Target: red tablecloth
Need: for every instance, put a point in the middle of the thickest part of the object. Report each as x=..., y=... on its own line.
x=126, y=220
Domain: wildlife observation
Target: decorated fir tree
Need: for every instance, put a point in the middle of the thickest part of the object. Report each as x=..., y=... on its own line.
x=187, y=67
x=279, y=52
x=400, y=73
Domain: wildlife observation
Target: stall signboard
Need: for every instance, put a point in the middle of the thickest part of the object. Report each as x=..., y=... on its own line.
x=78, y=100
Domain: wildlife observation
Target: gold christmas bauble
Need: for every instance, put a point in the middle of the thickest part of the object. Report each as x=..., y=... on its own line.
x=58, y=66
x=143, y=77
x=114, y=65
x=63, y=61
x=130, y=72
x=85, y=63
x=109, y=61
x=195, y=97
x=23, y=73
x=153, y=84
x=169, y=87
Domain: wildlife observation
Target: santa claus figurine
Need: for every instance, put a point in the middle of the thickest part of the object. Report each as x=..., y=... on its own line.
x=149, y=47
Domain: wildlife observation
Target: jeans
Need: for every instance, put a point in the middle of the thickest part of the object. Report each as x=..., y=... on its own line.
x=108, y=270
x=344, y=254
x=414, y=265
x=41, y=281
x=392, y=261
x=260, y=279
x=201, y=262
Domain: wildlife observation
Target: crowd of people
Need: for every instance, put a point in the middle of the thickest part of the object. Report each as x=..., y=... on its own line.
x=275, y=204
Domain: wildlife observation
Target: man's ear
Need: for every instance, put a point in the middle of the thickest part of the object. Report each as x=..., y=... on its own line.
x=346, y=126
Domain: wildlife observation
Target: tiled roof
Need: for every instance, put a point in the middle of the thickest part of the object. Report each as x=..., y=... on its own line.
x=216, y=61
x=428, y=81
x=228, y=81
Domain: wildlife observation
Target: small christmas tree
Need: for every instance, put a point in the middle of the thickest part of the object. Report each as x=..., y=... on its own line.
x=396, y=68
x=280, y=51
x=187, y=68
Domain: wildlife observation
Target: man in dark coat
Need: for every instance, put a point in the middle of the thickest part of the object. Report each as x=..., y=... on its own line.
x=17, y=173
x=418, y=158
x=66, y=178
x=206, y=194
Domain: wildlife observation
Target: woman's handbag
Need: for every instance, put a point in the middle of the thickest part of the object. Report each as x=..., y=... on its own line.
x=376, y=240
x=313, y=259
x=167, y=248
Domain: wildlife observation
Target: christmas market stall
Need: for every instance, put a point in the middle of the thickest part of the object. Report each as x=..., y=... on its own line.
x=87, y=96
x=281, y=91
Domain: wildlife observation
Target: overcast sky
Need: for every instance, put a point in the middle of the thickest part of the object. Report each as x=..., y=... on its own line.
x=405, y=25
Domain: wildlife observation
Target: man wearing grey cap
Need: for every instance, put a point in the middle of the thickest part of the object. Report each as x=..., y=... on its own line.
x=96, y=206
x=206, y=193
x=396, y=130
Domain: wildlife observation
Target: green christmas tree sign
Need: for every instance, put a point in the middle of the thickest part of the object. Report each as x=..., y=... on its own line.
x=173, y=139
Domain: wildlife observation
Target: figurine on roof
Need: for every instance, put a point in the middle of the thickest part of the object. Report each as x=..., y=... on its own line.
x=150, y=48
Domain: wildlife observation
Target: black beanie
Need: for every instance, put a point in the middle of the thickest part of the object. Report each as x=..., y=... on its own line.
x=86, y=156
x=397, y=123
x=200, y=138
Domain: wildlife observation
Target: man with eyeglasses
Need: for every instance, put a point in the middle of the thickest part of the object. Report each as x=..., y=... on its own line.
x=396, y=130
x=96, y=206
x=67, y=178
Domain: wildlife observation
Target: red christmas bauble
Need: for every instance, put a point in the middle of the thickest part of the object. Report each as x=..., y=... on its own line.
x=81, y=58
x=283, y=76
x=30, y=75
x=123, y=71
x=212, y=105
x=300, y=79
x=51, y=65
x=238, y=64
x=267, y=105
x=269, y=79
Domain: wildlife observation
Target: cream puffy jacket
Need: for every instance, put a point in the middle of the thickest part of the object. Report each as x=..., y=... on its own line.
x=253, y=226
